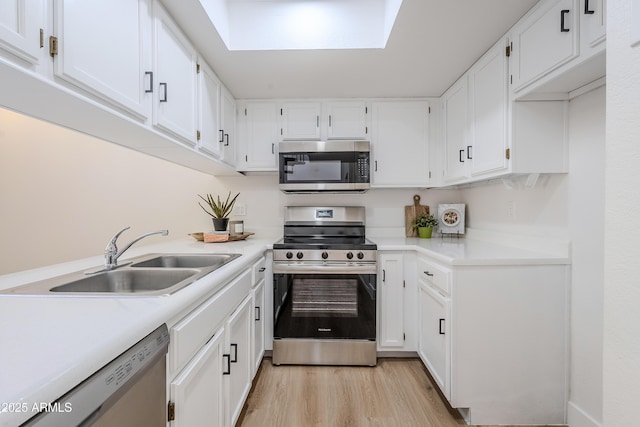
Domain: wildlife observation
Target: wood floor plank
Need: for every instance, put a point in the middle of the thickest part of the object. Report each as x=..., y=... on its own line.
x=397, y=392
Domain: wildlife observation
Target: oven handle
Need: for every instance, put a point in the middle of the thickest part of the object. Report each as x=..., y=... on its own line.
x=325, y=268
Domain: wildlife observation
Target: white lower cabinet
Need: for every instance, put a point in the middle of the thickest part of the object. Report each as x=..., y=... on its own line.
x=258, y=325
x=239, y=366
x=197, y=392
x=434, y=346
x=495, y=339
x=212, y=356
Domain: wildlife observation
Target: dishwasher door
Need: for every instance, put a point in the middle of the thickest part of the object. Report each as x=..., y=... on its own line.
x=128, y=391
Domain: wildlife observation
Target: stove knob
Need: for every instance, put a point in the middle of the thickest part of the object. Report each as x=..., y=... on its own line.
x=349, y=255
x=289, y=255
x=325, y=255
x=299, y=255
x=360, y=255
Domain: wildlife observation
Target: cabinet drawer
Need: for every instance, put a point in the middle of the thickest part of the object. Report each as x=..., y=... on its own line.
x=192, y=332
x=434, y=274
x=258, y=270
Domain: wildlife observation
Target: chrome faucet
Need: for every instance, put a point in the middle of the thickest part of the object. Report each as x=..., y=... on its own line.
x=111, y=253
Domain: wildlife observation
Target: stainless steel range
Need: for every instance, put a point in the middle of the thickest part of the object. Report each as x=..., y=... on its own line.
x=324, y=288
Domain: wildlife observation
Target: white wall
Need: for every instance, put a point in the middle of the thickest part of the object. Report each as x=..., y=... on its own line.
x=621, y=383
x=63, y=194
x=586, y=225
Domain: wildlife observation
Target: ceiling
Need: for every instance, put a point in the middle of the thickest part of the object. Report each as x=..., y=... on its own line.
x=432, y=43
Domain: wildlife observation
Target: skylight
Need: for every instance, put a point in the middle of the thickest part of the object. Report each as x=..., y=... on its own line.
x=303, y=24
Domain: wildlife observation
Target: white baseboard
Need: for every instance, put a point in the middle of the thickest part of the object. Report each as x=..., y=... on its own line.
x=576, y=417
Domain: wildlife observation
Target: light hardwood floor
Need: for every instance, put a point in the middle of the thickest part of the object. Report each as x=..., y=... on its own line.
x=397, y=392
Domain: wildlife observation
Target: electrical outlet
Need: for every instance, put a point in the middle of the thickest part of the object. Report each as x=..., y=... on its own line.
x=240, y=210
x=511, y=209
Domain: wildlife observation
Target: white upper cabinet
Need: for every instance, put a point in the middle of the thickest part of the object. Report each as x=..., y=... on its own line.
x=227, y=131
x=300, y=120
x=208, y=110
x=258, y=133
x=400, y=143
x=544, y=40
x=455, y=140
x=593, y=24
x=347, y=120
x=174, y=105
x=20, y=24
x=104, y=48
x=488, y=112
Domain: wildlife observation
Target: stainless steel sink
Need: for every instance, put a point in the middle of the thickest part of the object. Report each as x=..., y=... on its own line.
x=187, y=261
x=147, y=275
x=129, y=281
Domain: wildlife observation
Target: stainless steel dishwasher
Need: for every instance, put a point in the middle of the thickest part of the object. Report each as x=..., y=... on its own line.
x=129, y=391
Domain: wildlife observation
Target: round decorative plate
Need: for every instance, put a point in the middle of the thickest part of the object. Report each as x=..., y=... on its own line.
x=450, y=217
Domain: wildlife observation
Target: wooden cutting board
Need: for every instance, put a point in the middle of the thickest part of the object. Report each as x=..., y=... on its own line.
x=410, y=214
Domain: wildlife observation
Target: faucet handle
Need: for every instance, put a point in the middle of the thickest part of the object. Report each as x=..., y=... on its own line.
x=112, y=242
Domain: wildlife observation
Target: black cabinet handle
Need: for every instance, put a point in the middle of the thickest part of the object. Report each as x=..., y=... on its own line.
x=563, y=13
x=150, y=74
x=317, y=121
x=221, y=135
x=460, y=156
x=257, y=319
x=262, y=269
x=586, y=8
x=375, y=169
x=273, y=148
x=226, y=137
x=384, y=276
x=164, y=98
x=234, y=359
x=428, y=274
x=227, y=371
x=329, y=120
x=441, y=327
x=469, y=152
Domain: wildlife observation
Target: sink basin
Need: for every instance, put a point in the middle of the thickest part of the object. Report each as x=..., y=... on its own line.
x=146, y=275
x=128, y=281
x=187, y=261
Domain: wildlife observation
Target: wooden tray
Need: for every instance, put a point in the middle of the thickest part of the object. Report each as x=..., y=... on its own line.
x=410, y=214
x=231, y=238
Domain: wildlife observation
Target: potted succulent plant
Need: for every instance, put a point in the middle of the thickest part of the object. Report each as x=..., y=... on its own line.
x=219, y=210
x=425, y=224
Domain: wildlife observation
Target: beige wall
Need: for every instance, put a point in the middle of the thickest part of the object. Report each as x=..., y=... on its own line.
x=64, y=194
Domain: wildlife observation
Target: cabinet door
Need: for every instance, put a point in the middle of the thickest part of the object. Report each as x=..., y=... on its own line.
x=434, y=343
x=455, y=107
x=544, y=41
x=261, y=135
x=197, y=392
x=258, y=325
x=400, y=143
x=208, y=110
x=593, y=24
x=488, y=106
x=347, y=120
x=227, y=126
x=175, y=82
x=238, y=345
x=300, y=120
x=104, y=47
x=20, y=24
x=391, y=297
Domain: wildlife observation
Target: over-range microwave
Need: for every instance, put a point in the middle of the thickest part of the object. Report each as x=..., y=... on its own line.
x=324, y=166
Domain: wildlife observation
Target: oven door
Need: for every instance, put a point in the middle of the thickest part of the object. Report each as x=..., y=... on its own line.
x=334, y=303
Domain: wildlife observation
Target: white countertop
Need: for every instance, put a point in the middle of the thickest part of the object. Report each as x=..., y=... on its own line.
x=465, y=251
x=52, y=343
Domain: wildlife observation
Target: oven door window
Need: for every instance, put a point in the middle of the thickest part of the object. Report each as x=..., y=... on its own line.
x=339, y=306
